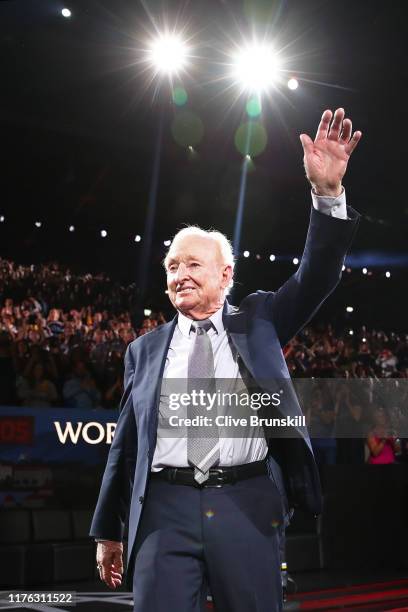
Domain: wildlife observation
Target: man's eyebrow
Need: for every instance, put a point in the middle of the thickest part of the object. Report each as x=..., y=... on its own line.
x=170, y=261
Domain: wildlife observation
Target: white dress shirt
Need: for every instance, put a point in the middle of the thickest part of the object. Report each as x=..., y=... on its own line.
x=172, y=451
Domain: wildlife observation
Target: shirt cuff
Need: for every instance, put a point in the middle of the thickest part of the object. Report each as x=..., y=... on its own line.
x=331, y=206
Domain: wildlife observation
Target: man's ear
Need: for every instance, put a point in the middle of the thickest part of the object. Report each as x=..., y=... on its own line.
x=226, y=276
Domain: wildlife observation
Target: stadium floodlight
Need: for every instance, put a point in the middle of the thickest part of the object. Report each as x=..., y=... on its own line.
x=168, y=53
x=246, y=253
x=364, y=270
x=38, y=224
x=2, y=219
x=71, y=228
x=138, y=238
x=388, y=274
x=256, y=67
x=104, y=233
x=350, y=309
x=66, y=13
x=295, y=261
x=272, y=257
x=293, y=84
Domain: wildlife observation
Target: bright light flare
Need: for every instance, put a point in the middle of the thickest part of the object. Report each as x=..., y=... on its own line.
x=66, y=13
x=293, y=84
x=168, y=54
x=256, y=67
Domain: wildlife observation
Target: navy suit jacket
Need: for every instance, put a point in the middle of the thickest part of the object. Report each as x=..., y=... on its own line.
x=263, y=323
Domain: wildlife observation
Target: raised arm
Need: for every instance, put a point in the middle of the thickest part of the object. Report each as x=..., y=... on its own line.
x=328, y=238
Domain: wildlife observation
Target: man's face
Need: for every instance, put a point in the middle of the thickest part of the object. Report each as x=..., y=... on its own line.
x=196, y=276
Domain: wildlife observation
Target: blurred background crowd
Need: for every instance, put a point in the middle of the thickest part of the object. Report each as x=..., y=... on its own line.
x=63, y=338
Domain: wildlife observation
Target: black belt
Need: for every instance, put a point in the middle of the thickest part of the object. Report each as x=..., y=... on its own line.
x=218, y=477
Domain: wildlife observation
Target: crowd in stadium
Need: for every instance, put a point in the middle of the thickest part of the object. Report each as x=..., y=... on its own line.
x=63, y=338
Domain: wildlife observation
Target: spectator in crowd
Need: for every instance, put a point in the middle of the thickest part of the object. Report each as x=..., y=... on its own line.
x=35, y=389
x=114, y=392
x=54, y=323
x=80, y=391
x=381, y=443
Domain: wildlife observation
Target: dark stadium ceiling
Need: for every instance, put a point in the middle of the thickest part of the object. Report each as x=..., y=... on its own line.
x=78, y=123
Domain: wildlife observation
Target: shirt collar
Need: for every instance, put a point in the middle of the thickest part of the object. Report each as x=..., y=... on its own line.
x=184, y=323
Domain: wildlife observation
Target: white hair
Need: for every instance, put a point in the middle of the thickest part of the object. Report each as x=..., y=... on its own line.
x=224, y=245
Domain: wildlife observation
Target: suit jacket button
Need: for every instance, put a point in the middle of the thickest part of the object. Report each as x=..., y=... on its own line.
x=141, y=499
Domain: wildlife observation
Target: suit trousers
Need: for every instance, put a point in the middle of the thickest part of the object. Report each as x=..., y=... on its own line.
x=225, y=540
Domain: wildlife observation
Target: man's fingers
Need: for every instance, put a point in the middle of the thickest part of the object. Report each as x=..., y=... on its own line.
x=324, y=125
x=336, y=125
x=115, y=572
x=109, y=560
x=117, y=562
x=114, y=580
x=307, y=143
x=349, y=148
x=346, y=132
x=111, y=578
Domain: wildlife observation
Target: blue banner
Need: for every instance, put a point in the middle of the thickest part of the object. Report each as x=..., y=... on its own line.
x=55, y=435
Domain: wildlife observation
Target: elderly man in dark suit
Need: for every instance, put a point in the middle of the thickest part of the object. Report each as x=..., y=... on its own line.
x=206, y=510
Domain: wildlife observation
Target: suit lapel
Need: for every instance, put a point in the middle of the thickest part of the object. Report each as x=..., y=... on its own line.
x=235, y=322
x=157, y=350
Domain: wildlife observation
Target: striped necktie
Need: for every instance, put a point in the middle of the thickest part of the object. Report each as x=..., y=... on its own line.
x=203, y=445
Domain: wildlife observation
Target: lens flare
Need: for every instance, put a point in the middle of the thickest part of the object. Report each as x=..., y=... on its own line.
x=168, y=54
x=256, y=67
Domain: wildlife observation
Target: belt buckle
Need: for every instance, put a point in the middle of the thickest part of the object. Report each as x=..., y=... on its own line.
x=219, y=477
